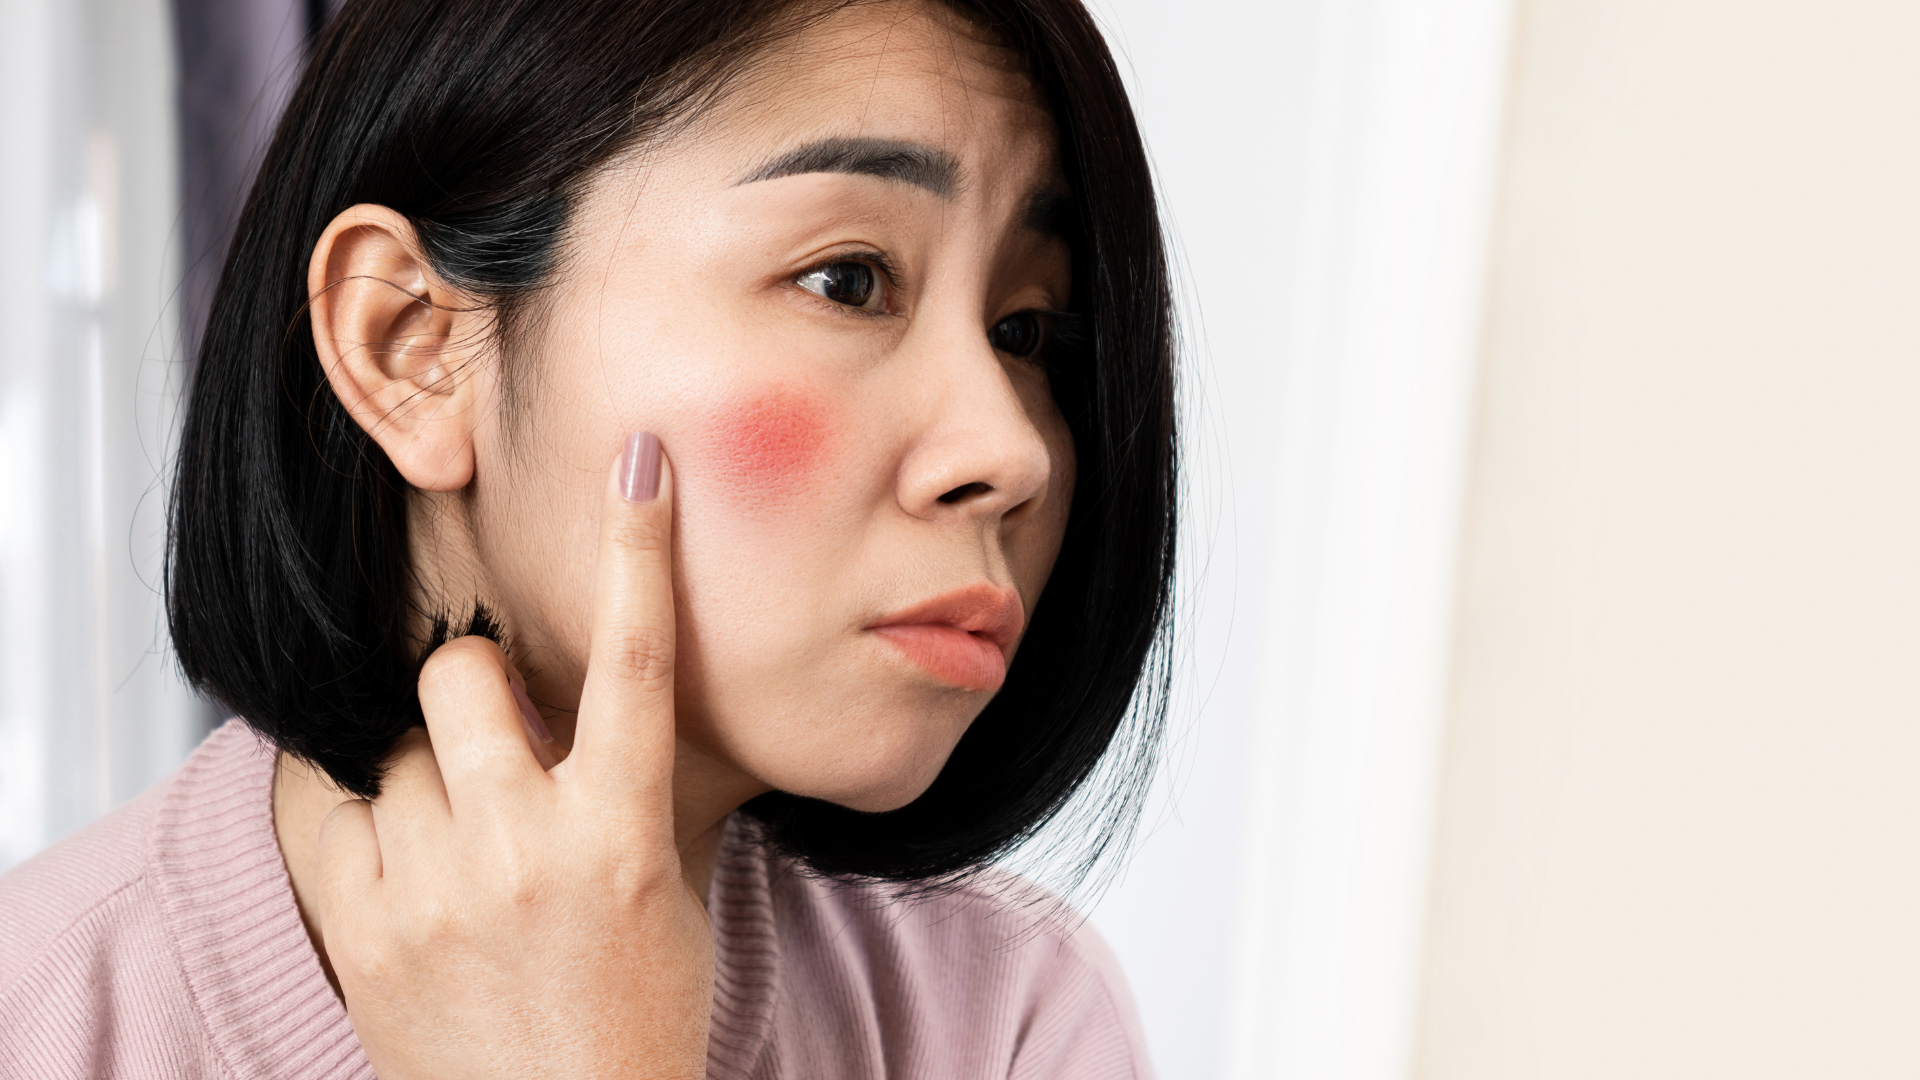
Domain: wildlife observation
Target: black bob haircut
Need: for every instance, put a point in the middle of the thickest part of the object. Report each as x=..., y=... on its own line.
x=289, y=590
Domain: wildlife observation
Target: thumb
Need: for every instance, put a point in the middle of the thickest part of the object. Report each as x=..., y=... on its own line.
x=349, y=858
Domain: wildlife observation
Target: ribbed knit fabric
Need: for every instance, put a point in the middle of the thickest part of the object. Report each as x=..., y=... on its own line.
x=163, y=941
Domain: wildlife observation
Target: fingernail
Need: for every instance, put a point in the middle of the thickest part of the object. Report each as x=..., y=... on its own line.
x=530, y=714
x=640, y=468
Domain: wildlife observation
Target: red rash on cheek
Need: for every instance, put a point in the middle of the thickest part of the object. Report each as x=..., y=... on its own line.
x=769, y=444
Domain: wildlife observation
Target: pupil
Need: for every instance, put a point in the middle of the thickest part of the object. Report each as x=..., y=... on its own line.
x=849, y=283
x=1017, y=335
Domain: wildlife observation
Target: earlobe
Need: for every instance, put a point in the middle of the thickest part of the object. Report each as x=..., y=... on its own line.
x=396, y=344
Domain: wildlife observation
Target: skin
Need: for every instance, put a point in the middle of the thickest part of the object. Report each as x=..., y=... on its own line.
x=826, y=468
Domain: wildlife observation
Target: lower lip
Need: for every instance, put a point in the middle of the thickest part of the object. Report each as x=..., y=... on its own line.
x=949, y=654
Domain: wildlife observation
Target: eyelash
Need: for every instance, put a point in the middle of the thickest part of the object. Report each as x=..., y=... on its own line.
x=1064, y=338
x=889, y=276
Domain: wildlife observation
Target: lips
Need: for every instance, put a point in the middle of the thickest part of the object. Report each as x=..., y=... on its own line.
x=962, y=637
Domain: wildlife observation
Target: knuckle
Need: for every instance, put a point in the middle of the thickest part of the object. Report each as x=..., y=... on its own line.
x=640, y=656
x=436, y=925
x=375, y=958
x=512, y=864
x=521, y=886
x=493, y=759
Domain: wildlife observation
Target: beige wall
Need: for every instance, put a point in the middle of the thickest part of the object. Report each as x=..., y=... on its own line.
x=1679, y=830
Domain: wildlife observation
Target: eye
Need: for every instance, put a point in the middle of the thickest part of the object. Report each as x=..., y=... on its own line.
x=855, y=284
x=1019, y=334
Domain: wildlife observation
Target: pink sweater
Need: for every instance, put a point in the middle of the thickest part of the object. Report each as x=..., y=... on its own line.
x=163, y=941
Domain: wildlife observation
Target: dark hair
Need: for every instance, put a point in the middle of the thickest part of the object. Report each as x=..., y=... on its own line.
x=289, y=587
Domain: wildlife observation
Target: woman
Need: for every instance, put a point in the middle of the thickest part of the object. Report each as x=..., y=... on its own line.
x=727, y=381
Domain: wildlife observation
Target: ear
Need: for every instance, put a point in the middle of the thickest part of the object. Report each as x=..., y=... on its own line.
x=399, y=346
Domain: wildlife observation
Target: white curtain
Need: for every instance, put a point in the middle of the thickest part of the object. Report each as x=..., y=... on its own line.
x=90, y=375
x=1327, y=169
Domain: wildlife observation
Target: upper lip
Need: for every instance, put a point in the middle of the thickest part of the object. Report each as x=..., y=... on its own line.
x=981, y=608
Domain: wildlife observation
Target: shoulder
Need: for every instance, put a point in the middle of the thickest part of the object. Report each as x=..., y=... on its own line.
x=995, y=971
x=87, y=973
x=93, y=980
x=84, y=885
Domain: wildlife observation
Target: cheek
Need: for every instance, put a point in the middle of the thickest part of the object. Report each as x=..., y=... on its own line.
x=771, y=445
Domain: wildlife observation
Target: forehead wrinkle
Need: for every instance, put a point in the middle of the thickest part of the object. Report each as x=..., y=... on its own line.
x=879, y=63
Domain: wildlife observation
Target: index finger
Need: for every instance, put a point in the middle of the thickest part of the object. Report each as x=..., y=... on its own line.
x=623, y=737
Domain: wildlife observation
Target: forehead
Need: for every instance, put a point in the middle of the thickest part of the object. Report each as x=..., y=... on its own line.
x=897, y=70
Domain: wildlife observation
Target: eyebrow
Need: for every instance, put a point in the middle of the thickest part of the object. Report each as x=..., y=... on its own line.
x=888, y=159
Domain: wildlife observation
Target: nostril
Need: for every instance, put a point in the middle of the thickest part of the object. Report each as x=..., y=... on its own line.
x=966, y=491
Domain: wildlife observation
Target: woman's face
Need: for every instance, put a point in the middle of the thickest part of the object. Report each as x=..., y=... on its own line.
x=808, y=299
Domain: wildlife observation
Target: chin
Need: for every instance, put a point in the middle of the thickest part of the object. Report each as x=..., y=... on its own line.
x=889, y=797
x=886, y=770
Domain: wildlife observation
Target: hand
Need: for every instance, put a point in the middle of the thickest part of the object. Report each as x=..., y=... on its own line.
x=489, y=917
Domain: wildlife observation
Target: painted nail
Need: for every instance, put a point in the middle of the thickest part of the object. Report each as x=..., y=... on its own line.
x=531, y=715
x=640, y=468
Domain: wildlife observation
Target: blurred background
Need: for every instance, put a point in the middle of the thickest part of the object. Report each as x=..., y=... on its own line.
x=1549, y=697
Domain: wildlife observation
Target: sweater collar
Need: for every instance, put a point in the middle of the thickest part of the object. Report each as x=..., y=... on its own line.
x=228, y=907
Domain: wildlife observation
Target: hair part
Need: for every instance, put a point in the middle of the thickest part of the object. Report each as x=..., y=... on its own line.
x=290, y=591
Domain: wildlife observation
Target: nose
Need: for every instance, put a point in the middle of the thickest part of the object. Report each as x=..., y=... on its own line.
x=978, y=454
